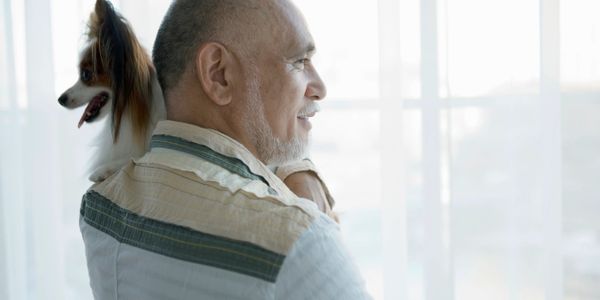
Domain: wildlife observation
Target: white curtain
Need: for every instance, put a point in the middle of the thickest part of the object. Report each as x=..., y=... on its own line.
x=460, y=138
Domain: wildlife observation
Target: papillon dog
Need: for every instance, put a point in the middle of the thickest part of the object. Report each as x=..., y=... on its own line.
x=118, y=83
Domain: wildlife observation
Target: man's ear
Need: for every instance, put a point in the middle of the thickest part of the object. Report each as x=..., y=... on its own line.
x=214, y=65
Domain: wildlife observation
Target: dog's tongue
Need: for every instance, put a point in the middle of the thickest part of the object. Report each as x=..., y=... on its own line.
x=92, y=109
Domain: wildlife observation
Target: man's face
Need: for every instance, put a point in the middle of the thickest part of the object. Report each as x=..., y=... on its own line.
x=283, y=87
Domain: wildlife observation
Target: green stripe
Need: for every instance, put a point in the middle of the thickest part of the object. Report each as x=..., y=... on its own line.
x=231, y=164
x=178, y=241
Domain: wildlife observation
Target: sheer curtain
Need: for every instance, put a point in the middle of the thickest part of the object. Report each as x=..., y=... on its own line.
x=460, y=138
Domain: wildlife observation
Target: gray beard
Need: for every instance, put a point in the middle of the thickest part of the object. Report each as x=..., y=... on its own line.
x=271, y=150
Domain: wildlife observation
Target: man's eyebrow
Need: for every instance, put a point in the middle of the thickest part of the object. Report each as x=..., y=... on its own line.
x=309, y=49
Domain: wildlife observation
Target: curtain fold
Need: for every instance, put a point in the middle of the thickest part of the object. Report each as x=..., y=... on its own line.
x=393, y=227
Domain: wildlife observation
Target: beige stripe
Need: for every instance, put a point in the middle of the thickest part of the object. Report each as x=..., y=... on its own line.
x=210, y=172
x=181, y=198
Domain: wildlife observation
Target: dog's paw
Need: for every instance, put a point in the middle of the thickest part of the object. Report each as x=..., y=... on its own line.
x=101, y=174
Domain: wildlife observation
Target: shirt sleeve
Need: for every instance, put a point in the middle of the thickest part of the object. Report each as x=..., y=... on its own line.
x=306, y=164
x=319, y=266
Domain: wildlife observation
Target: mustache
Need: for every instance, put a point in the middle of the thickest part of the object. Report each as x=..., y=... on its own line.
x=311, y=108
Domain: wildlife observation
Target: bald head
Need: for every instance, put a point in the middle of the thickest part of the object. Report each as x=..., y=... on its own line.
x=190, y=23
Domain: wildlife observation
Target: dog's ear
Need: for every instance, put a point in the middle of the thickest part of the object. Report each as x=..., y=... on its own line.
x=100, y=10
x=97, y=18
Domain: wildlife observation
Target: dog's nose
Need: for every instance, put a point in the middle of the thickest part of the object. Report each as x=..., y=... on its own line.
x=63, y=99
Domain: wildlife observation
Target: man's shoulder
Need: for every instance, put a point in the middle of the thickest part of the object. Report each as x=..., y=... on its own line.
x=215, y=202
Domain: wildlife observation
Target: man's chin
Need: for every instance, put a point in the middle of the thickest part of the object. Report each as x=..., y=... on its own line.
x=289, y=151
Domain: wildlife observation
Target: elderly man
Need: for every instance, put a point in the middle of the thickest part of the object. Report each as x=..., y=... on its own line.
x=203, y=215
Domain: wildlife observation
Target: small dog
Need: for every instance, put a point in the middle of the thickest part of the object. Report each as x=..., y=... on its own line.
x=116, y=79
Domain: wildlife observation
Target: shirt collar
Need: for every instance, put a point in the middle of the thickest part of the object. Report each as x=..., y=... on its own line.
x=218, y=148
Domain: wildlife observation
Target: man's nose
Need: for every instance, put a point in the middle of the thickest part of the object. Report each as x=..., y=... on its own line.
x=316, y=89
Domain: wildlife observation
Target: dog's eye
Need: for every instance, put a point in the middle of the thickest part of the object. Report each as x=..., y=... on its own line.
x=86, y=75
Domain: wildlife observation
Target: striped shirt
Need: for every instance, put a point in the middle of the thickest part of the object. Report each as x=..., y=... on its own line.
x=199, y=217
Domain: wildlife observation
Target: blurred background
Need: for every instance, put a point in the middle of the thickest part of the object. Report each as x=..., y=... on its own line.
x=461, y=139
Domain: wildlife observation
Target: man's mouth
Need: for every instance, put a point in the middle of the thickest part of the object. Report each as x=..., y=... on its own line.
x=309, y=111
x=93, y=108
x=305, y=116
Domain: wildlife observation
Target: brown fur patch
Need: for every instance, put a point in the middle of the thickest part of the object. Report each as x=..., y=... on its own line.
x=89, y=62
x=117, y=57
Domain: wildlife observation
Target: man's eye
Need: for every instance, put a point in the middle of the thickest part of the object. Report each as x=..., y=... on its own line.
x=301, y=63
x=86, y=75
